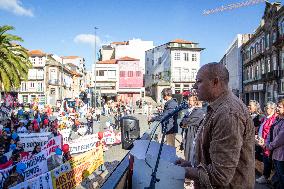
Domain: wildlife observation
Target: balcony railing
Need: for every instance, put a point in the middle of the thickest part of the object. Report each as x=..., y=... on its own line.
x=54, y=82
x=182, y=78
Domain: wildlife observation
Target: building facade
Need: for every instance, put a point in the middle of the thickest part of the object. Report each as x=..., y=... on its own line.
x=34, y=87
x=107, y=79
x=263, y=58
x=233, y=62
x=130, y=80
x=174, y=64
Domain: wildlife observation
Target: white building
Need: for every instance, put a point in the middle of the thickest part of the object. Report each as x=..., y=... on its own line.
x=107, y=78
x=134, y=48
x=34, y=87
x=233, y=62
x=173, y=65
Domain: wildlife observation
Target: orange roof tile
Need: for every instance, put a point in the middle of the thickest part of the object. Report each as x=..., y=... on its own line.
x=36, y=53
x=112, y=61
x=70, y=57
x=120, y=43
x=126, y=58
x=181, y=41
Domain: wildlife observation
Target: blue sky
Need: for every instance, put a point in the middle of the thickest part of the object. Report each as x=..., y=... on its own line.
x=66, y=27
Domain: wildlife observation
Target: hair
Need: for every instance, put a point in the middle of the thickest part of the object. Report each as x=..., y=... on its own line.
x=34, y=151
x=281, y=101
x=271, y=104
x=215, y=69
x=197, y=102
x=167, y=92
x=257, y=105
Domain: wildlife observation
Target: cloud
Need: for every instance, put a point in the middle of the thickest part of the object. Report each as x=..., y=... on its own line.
x=87, y=39
x=15, y=6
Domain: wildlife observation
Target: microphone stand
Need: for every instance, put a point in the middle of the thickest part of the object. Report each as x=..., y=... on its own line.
x=154, y=178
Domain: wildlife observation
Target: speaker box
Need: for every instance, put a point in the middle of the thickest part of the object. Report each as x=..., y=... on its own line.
x=130, y=131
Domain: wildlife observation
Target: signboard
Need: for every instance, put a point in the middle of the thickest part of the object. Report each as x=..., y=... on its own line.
x=30, y=140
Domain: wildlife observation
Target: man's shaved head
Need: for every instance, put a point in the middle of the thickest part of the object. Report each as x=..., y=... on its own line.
x=215, y=70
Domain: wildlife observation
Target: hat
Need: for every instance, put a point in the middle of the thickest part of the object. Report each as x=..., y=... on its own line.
x=12, y=146
x=58, y=151
x=14, y=136
x=21, y=167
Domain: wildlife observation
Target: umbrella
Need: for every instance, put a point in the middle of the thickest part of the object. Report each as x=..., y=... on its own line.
x=185, y=93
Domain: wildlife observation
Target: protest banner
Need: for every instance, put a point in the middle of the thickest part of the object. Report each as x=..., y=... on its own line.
x=37, y=165
x=83, y=144
x=30, y=140
x=4, y=173
x=65, y=134
x=42, y=181
x=54, y=141
x=71, y=174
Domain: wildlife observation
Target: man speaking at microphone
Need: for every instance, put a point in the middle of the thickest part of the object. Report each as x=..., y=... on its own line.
x=172, y=126
x=222, y=154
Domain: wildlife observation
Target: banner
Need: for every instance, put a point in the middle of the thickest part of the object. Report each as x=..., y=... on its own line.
x=71, y=174
x=83, y=144
x=30, y=140
x=111, y=138
x=65, y=134
x=40, y=182
x=4, y=173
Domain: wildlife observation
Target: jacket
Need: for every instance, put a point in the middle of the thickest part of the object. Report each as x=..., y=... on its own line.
x=172, y=126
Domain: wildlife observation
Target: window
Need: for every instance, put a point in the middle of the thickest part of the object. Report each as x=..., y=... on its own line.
x=268, y=65
x=147, y=72
x=23, y=86
x=177, y=56
x=282, y=27
x=138, y=73
x=101, y=73
x=122, y=73
x=263, y=44
x=193, y=74
x=193, y=57
x=282, y=86
x=32, y=85
x=40, y=60
x=267, y=40
x=274, y=63
x=130, y=73
x=257, y=71
x=262, y=67
x=52, y=91
x=152, y=62
x=160, y=60
x=186, y=57
x=274, y=36
x=282, y=59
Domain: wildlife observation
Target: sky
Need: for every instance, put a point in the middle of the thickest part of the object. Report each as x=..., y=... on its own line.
x=66, y=27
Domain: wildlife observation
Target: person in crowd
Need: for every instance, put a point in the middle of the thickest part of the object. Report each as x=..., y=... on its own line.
x=66, y=153
x=16, y=176
x=172, y=126
x=275, y=143
x=55, y=160
x=262, y=152
x=5, y=139
x=16, y=158
x=22, y=128
x=190, y=122
x=19, y=148
x=256, y=114
x=43, y=128
x=224, y=145
x=3, y=158
x=90, y=121
x=98, y=114
x=36, y=150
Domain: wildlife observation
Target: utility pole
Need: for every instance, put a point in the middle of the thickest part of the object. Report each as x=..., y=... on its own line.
x=95, y=66
x=61, y=98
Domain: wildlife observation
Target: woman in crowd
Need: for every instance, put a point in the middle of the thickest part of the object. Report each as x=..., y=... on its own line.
x=37, y=149
x=262, y=152
x=275, y=143
x=191, y=122
x=16, y=176
x=256, y=114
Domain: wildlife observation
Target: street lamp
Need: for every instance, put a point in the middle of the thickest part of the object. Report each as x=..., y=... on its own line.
x=95, y=70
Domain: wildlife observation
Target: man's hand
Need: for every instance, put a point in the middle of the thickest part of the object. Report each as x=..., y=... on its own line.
x=183, y=163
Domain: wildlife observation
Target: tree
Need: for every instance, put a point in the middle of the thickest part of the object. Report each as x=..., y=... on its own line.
x=14, y=60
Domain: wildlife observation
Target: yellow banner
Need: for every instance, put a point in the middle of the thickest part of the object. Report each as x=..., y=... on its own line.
x=71, y=174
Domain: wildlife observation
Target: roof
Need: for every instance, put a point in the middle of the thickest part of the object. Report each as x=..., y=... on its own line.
x=36, y=53
x=126, y=58
x=120, y=43
x=70, y=57
x=181, y=41
x=112, y=61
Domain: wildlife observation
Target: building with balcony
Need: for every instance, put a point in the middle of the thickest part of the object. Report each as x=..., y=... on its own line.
x=106, y=79
x=34, y=87
x=130, y=80
x=263, y=58
x=233, y=62
x=174, y=64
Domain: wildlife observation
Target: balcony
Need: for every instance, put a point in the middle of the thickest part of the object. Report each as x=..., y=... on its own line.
x=183, y=78
x=54, y=82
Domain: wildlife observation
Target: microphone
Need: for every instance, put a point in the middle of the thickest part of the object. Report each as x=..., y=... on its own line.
x=182, y=106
